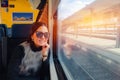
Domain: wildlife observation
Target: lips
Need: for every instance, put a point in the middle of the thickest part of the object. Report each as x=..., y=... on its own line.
x=42, y=42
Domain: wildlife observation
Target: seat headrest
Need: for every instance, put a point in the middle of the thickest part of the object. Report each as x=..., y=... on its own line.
x=21, y=30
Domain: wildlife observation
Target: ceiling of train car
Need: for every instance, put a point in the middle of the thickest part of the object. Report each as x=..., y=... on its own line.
x=34, y=3
x=95, y=7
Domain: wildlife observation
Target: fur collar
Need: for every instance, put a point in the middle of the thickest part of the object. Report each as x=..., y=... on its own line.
x=31, y=61
x=34, y=48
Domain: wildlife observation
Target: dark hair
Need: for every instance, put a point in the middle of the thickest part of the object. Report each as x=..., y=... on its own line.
x=34, y=27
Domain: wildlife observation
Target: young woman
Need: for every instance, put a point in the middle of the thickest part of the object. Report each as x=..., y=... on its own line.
x=30, y=60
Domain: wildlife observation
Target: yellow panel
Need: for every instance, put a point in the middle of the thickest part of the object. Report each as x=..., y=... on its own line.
x=19, y=6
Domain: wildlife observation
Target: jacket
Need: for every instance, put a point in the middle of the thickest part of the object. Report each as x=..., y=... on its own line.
x=33, y=68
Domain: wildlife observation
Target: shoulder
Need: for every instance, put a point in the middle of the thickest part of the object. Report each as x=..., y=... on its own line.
x=18, y=50
x=24, y=44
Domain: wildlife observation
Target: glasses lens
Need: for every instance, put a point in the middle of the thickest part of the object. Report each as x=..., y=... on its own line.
x=40, y=34
x=46, y=34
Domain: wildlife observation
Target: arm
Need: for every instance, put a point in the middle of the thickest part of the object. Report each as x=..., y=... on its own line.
x=45, y=69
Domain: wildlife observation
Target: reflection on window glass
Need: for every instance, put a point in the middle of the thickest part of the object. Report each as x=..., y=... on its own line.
x=89, y=35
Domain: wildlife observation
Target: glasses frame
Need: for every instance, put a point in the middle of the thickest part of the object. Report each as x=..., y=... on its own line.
x=40, y=34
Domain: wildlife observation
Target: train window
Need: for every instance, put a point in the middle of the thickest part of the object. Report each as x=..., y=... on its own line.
x=88, y=48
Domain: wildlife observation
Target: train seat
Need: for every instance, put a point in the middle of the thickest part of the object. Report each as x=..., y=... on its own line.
x=2, y=35
x=20, y=33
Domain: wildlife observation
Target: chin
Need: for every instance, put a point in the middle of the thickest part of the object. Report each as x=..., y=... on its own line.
x=41, y=44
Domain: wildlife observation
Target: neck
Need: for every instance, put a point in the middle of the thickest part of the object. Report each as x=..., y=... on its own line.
x=34, y=47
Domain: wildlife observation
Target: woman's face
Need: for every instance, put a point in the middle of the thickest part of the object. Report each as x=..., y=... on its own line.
x=40, y=36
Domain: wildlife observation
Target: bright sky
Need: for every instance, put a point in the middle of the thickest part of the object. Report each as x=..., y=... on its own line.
x=68, y=7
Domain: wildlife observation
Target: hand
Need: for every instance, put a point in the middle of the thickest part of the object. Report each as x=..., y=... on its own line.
x=45, y=49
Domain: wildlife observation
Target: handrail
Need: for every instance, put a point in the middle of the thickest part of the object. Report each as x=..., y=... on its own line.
x=3, y=27
x=3, y=31
x=3, y=47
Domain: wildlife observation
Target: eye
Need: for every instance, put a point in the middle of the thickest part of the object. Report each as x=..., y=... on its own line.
x=46, y=34
x=39, y=34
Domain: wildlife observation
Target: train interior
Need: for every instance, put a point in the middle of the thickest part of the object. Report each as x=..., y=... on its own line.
x=84, y=46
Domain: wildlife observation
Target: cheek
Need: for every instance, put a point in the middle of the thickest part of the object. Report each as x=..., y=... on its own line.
x=35, y=39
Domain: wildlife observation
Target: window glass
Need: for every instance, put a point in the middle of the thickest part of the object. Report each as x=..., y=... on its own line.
x=89, y=39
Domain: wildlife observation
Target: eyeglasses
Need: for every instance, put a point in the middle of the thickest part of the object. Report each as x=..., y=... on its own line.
x=40, y=34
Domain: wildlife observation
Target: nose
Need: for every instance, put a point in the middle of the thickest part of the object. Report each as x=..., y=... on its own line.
x=43, y=36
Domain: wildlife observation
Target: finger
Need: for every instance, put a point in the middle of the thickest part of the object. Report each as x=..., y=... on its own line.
x=46, y=45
